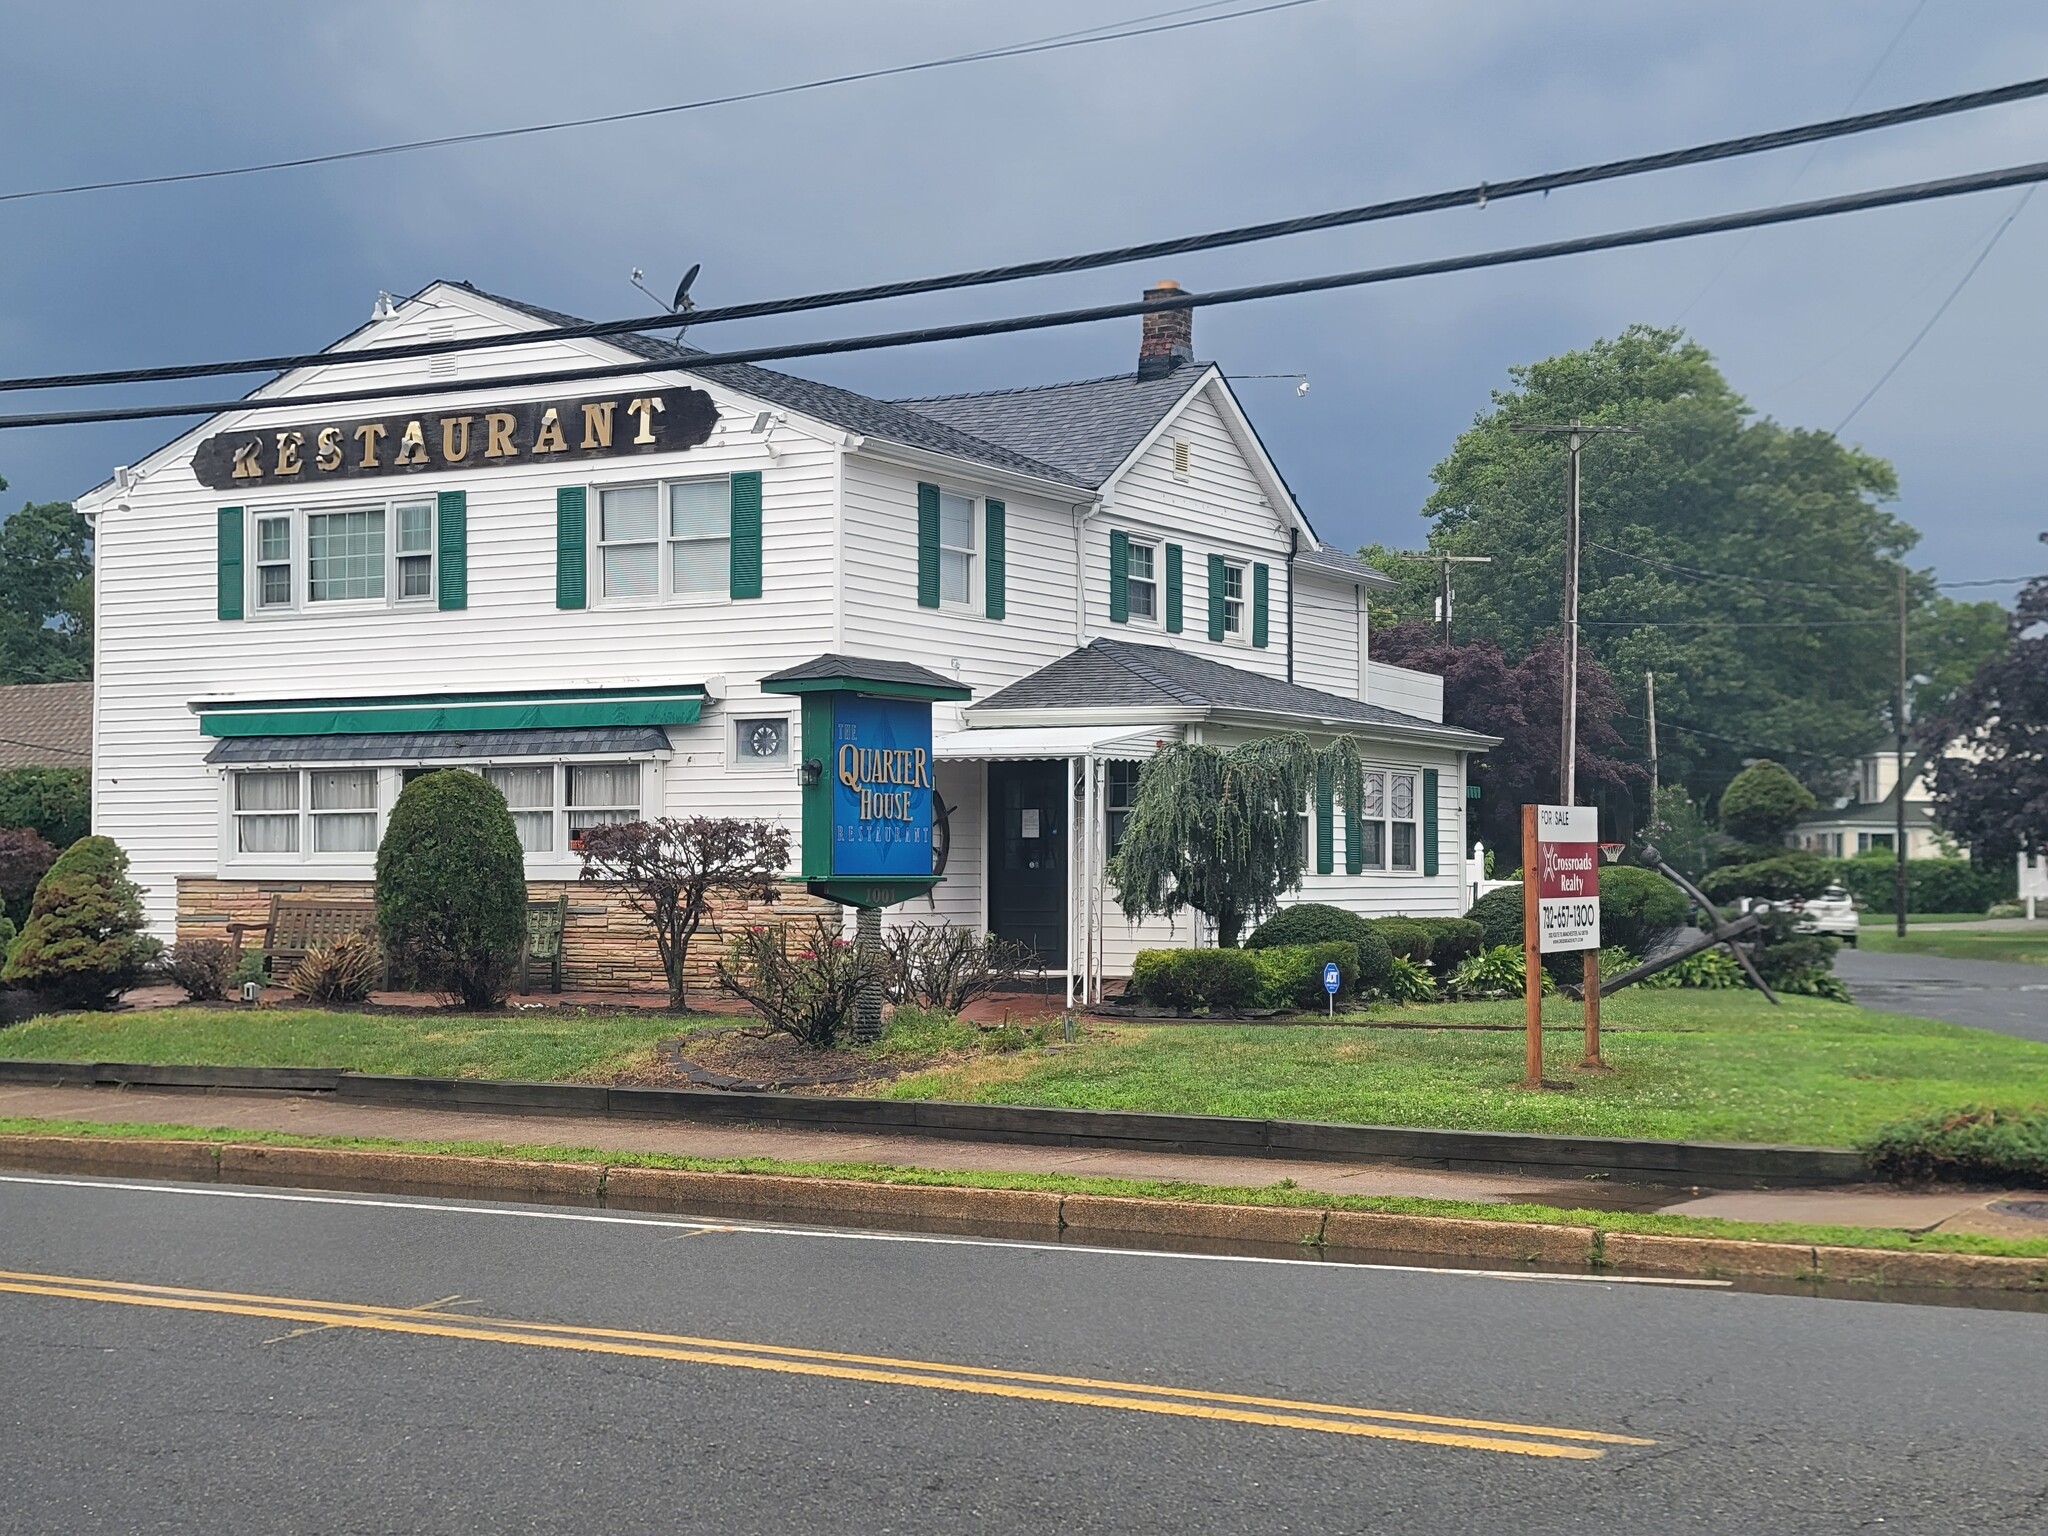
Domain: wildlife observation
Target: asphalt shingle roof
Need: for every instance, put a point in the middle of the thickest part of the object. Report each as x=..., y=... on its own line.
x=1087, y=428
x=1115, y=674
x=1348, y=566
x=46, y=725
x=864, y=668
x=428, y=746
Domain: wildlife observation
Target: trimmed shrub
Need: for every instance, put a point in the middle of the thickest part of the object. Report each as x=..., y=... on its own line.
x=1291, y=975
x=451, y=886
x=1499, y=916
x=1639, y=908
x=1780, y=959
x=1932, y=885
x=1790, y=876
x=83, y=944
x=1408, y=982
x=1975, y=1145
x=1452, y=940
x=201, y=967
x=1314, y=922
x=344, y=972
x=1194, y=980
x=7, y=932
x=54, y=802
x=1405, y=936
x=1762, y=802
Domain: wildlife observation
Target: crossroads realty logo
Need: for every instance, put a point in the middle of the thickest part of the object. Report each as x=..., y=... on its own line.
x=1566, y=869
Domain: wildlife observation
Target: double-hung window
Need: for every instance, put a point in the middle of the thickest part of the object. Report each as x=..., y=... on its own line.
x=672, y=540
x=601, y=794
x=367, y=554
x=1141, y=582
x=1401, y=818
x=956, y=548
x=529, y=792
x=1386, y=818
x=266, y=812
x=1119, y=794
x=1233, y=602
x=294, y=813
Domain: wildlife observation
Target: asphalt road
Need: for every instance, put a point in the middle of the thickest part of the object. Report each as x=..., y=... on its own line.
x=1985, y=994
x=263, y=1362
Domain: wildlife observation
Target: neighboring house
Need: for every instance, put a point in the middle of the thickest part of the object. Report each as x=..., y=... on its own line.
x=2034, y=882
x=1868, y=818
x=579, y=590
x=46, y=725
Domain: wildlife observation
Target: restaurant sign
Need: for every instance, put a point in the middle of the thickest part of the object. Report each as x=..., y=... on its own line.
x=882, y=788
x=468, y=437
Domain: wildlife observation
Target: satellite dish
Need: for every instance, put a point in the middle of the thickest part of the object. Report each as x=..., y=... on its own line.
x=681, y=304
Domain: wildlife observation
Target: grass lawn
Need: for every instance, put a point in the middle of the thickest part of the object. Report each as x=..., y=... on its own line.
x=1884, y=920
x=2028, y=945
x=538, y=1047
x=1716, y=1066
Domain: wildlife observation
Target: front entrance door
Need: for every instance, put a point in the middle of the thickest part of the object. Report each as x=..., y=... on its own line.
x=1027, y=839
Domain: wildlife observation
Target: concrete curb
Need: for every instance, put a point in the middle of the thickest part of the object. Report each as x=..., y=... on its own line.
x=1007, y=1212
x=1714, y=1165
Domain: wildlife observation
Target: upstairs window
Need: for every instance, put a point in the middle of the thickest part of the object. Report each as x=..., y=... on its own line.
x=344, y=555
x=1233, y=602
x=1141, y=582
x=672, y=540
x=364, y=554
x=629, y=551
x=700, y=537
x=274, y=562
x=956, y=548
x=416, y=549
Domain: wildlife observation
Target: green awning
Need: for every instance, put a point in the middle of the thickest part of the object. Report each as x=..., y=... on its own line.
x=530, y=709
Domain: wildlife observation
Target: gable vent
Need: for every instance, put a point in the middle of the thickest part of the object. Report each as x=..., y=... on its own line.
x=442, y=367
x=1180, y=456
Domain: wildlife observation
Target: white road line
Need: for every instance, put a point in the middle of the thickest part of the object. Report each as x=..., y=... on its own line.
x=836, y=1233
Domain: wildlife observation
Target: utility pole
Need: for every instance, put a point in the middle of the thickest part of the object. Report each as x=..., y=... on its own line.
x=1575, y=435
x=1650, y=683
x=1899, y=789
x=1443, y=565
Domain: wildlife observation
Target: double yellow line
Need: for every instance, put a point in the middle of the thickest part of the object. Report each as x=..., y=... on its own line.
x=1132, y=1397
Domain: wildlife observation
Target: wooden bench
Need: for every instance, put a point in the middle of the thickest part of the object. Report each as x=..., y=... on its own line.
x=545, y=921
x=298, y=924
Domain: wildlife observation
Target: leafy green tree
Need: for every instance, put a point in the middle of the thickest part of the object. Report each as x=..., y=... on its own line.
x=56, y=803
x=45, y=595
x=83, y=944
x=1749, y=564
x=1761, y=804
x=451, y=886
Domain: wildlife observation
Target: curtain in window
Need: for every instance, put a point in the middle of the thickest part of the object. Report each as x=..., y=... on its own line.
x=603, y=792
x=267, y=812
x=530, y=792
x=345, y=810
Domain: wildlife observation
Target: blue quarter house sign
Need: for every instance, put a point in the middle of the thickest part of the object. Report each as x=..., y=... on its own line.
x=881, y=768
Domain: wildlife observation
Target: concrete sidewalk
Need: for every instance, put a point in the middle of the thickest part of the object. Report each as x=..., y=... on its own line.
x=1869, y=1205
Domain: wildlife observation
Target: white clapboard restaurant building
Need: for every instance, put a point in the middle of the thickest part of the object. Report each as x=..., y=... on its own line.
x=578, y=591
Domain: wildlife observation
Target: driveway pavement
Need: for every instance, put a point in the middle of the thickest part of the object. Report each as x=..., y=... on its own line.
x=1984, y=994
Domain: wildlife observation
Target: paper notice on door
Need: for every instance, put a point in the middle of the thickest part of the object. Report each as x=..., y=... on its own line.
x=1030, y=827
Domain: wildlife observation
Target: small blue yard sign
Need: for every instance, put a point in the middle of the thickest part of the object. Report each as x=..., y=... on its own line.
x=1332, y=978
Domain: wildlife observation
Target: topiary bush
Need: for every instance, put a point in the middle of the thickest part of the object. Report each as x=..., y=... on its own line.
x=1975, y=1145
x=1196, y=980
x=1499, y=916
x=1315, y=922
x=201, y=967
x=451, y=886
x=1762, y=802
x=1452, y=940
x=1790, y=876
x=1639, y=908
x=1405, y=936
x=1291, y=975
x=83, y=944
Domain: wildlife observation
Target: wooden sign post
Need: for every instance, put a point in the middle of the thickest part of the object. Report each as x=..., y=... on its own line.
x=1560, y=913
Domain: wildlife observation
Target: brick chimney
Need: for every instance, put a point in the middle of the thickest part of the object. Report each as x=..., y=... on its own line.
x=1169, y=337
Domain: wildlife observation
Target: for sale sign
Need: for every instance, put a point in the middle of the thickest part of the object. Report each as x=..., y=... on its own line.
x=1567, y=878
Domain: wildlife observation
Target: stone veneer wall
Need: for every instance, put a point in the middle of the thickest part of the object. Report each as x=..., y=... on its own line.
x=606, y=946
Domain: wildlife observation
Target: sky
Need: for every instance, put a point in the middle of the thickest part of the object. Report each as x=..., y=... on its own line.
x=1325, y=105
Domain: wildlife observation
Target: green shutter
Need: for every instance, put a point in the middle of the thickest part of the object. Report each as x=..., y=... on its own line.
x=1258, y=605
x=1119, y=576
x=227, y=564
x=451, y=536
x=927, y=546
x=1326, y=822
x=995, y=522
x=571, y=549
x=1173, y=625
x=1215, y=597
x=1354, y=834
x=1429, y=860
x=746, y=534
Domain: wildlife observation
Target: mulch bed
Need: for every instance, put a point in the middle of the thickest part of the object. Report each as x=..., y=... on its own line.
x=742, y=1060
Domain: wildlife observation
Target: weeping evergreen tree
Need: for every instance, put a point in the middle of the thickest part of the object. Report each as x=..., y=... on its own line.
x=1219, y=829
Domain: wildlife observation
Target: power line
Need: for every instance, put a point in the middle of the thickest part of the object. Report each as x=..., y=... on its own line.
x=44, y=746
x=1693, y=570
x=1934, y=319
x=1734, y=623
x=1733, y=741
x=1885, y=197
x=1062, y=40
x=1472, y=196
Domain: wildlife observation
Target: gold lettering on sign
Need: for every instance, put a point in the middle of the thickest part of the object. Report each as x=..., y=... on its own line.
x=597, y=423
x=455, y=438
x=249, y=460
x=498, y=426
x=645, y=410
x=328, y=448
x=549, y=438
x=288, y=446
x=412, y=447
x=369, y=434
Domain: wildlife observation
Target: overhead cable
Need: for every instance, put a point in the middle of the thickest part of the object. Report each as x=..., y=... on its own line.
x=1654, y=234
x=1080, y=39
x=1478, y=195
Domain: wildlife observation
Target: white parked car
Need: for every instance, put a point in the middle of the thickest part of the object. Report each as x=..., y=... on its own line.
x=1832, y=912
